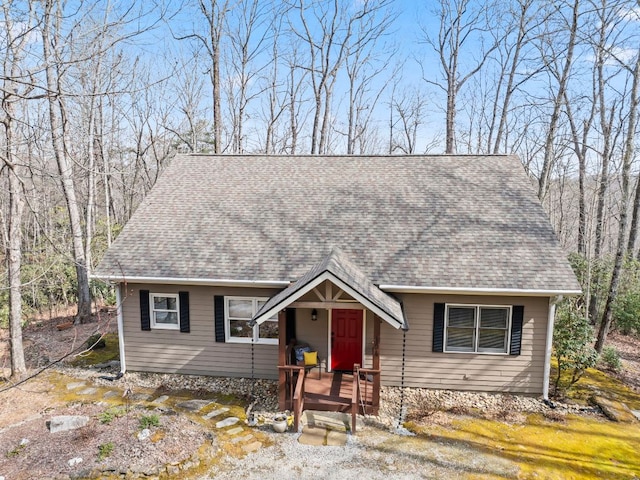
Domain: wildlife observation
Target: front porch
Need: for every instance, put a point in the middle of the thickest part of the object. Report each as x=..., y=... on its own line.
x=356, y=393
x=338, y=310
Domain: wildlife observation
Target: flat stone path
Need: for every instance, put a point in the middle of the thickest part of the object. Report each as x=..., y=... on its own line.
x=242, y=437
x=324, y=428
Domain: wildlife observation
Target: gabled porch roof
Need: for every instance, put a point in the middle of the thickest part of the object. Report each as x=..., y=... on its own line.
x=342, y=272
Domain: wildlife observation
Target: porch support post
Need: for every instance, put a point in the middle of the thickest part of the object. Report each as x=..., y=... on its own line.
x=376, y=343
x=282, y=347
x=375, y=395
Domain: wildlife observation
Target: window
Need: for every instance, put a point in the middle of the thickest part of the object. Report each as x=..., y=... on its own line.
x=477, y=328
x=238, y=313
x=164, y=311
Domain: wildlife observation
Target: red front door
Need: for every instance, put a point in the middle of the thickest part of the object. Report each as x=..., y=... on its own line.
x=346, y=339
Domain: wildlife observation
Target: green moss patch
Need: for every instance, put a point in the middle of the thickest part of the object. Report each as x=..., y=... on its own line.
x=582, y=448
x=595, y=381
x=111, y=351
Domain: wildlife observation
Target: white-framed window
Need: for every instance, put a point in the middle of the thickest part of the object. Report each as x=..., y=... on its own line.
x=238, y=313
x=164, y=310
x=477, y=328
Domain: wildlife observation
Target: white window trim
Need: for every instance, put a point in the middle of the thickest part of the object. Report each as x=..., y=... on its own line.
x=477, y=308
x=256, y=328
x=152, y=310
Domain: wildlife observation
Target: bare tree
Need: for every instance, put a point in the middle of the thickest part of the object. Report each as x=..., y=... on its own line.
x=52, y=41
x=463, y=25
x=330, y=32
x=213, y=13
x=248, y=40
x=524, y=20
x=627, y=158
x=559, y=57
x=407, y=113
x=15, y=86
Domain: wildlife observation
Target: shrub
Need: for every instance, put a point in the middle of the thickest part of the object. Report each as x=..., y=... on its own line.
x=108, y=415
x=148, y=421
x=611, y=358
x=105, y=450
x=572, y=343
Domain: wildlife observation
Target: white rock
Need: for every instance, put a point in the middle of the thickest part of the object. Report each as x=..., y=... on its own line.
x=74, y=461
x=62, y=423
x=144, y=434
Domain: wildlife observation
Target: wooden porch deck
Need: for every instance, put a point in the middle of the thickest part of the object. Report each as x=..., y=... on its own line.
x=333, y=392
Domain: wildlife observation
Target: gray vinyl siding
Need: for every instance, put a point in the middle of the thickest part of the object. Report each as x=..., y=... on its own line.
x=196, y=352
x=465, y=371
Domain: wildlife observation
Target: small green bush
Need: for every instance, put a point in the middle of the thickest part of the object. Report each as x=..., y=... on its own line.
x=572, y=340
x=148, y=421
x=611, y=358
x=108, y=415
x=105, y=450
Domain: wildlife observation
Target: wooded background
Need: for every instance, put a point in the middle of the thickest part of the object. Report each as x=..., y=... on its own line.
x=96, y=98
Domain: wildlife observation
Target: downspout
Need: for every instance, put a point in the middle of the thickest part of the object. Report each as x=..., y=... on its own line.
x=553, y=301
x=123, y=363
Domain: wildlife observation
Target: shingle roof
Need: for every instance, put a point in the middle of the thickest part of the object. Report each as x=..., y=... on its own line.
x=431, y=221
x=337, y=267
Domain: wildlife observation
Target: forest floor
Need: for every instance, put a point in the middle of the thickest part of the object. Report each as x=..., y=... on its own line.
x=183, y=439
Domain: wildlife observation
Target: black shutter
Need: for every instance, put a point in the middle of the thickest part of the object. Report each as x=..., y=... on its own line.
x=145, y=317
x=438, y=327
x=218, y=315
x=291, y=324
x=517, y=318
x=184, y=312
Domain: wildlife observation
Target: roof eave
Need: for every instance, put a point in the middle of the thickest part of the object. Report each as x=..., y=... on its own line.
x=508, y=292
x=210, y=282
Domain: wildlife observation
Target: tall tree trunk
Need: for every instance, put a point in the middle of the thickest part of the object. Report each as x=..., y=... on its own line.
x=51, y=37
x=11, y=59
x=627, y=158
x=549, y=151
x=14, y=267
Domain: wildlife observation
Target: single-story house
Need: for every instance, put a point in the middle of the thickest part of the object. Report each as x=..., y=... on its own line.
x=417, y=271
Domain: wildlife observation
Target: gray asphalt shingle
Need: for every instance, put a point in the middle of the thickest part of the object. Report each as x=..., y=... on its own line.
x=432, y=221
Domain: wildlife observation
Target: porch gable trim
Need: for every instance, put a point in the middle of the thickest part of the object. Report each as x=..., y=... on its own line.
x=289, y=299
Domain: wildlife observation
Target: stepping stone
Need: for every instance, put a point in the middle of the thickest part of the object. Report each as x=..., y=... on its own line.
x=140, y=397
x=194, y=405
x=111, y=394
x=160, y=400
x=74, y=385
x=335, y=421
x=227, y=422
x=244, y=438
x=336, y=438
x=235, y=431
x=88, y=391
x=313, y=436
x=215, y=413
x=251, y=447
x=63, y=423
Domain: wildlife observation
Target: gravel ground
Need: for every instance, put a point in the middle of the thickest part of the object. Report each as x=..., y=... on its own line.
x=376, y=452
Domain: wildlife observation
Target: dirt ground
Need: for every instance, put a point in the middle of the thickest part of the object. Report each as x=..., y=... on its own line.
x=28, y=450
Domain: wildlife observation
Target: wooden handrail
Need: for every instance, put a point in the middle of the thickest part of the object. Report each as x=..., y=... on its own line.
x=375, y=391
x=286, y=373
